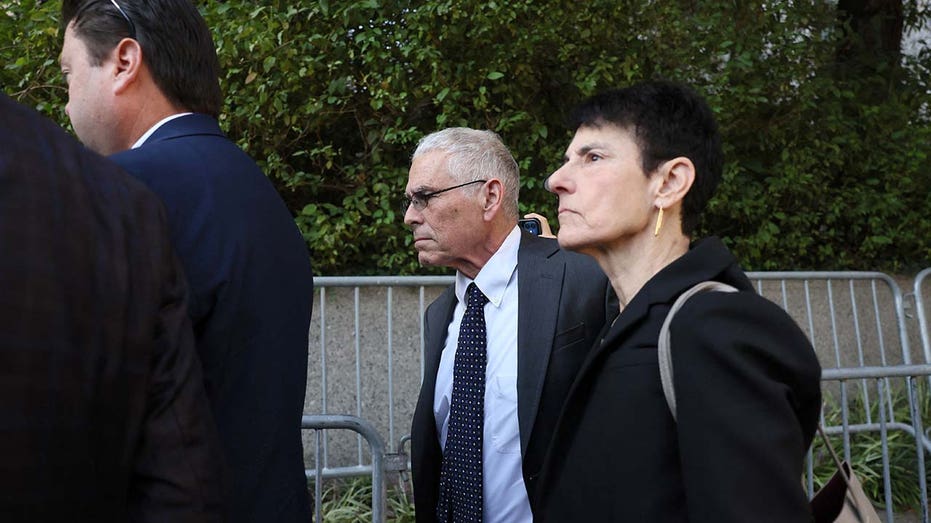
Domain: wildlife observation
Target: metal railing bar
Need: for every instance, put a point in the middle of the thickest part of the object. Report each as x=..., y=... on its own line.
x=377, y=444
x=383, y=281
x=895, y=371
x=420, y=319
x=884, y=442
x=390, y=367
x=323, y=373
x=811, y=321
x=339, y=472
x=820, y=275
x=915, y=411
x=864, y=389
x=318, y=488
x=844, y=408
x=922, y=317
x=881, y=338
x=357, y=343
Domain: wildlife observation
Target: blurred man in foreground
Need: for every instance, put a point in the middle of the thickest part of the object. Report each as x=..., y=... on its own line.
x=105, y=417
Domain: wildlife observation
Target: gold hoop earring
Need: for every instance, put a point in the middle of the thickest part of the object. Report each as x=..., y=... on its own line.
x=659, y=222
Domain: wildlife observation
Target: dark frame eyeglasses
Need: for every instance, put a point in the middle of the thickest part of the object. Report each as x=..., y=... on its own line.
x=129, y=21
x=419, y=199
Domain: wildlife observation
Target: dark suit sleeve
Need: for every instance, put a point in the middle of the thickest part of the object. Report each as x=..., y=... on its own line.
x=178, y=474
x=748, y=389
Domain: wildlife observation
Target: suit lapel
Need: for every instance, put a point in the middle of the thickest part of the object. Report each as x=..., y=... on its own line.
x=539, y=281
x=426, y=455
x=437, y=323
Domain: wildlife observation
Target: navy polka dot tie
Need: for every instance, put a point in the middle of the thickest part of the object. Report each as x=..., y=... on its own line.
x=461, y=474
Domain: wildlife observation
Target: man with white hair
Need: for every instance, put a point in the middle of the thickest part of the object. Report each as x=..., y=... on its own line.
x=503, y=343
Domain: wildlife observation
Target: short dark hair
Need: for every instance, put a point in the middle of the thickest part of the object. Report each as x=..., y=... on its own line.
x=667, y=120
x=175, y=41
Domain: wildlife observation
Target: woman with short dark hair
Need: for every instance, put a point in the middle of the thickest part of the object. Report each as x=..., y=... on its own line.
x=644, y=162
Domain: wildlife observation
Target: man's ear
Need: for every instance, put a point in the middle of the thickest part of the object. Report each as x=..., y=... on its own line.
x=493, y=190
x=676, y=178
x=127, y=59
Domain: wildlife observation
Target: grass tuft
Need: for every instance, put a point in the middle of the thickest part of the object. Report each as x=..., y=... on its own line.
x=350, y=501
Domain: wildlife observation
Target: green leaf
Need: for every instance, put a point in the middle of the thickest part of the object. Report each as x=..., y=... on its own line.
x=442, y=94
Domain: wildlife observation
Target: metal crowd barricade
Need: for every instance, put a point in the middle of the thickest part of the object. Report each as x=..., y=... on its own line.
x=367, y=359
x=922, y=314
x=885, y=423
x=857, y=324
x=854, y=319
x=321, y=423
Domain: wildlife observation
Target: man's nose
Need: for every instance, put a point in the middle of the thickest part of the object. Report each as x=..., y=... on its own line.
x=411, y=216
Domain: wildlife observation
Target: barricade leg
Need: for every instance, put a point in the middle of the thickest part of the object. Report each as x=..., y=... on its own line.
x=322, y=422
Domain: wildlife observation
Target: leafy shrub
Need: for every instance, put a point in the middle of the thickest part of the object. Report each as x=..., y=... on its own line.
x=331, y=97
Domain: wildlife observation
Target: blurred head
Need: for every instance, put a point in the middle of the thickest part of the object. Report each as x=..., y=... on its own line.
x=168, y=38
x=651, y=146
x=455, y=222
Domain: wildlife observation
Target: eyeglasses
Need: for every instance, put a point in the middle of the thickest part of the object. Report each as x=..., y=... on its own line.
x=419, y=199
x=129, y=21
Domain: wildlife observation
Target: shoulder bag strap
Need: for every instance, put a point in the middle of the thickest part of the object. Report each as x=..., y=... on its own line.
x=665, y=358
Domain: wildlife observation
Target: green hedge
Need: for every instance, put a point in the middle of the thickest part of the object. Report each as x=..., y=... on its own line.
x=332, y=96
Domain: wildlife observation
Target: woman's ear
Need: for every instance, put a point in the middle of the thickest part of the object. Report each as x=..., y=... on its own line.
x=676, y=178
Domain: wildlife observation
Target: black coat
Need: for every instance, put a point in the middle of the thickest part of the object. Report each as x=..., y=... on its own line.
x=563, y=301
x=748, y=393
x=104, y=413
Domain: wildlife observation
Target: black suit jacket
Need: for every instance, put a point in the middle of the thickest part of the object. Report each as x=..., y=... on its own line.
x=748, y=393
x=252, y=290
x=105, y=417
x=563, y=300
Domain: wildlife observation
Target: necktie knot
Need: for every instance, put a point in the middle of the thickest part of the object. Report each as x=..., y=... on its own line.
x=475, y=297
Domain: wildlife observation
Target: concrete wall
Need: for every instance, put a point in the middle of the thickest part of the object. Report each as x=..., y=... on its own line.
x=367, y=360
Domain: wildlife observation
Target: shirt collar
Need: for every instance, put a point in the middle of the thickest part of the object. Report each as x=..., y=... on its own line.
x=155, y=127
x=494, y=277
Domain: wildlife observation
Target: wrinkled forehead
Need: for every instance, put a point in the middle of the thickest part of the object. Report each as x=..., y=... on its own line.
x=429, y=171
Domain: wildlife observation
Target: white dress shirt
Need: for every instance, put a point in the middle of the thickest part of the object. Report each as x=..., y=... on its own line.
x=155, y=127
x=504, y=494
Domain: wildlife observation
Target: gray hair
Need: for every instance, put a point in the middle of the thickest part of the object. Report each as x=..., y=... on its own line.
x=476, y=155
